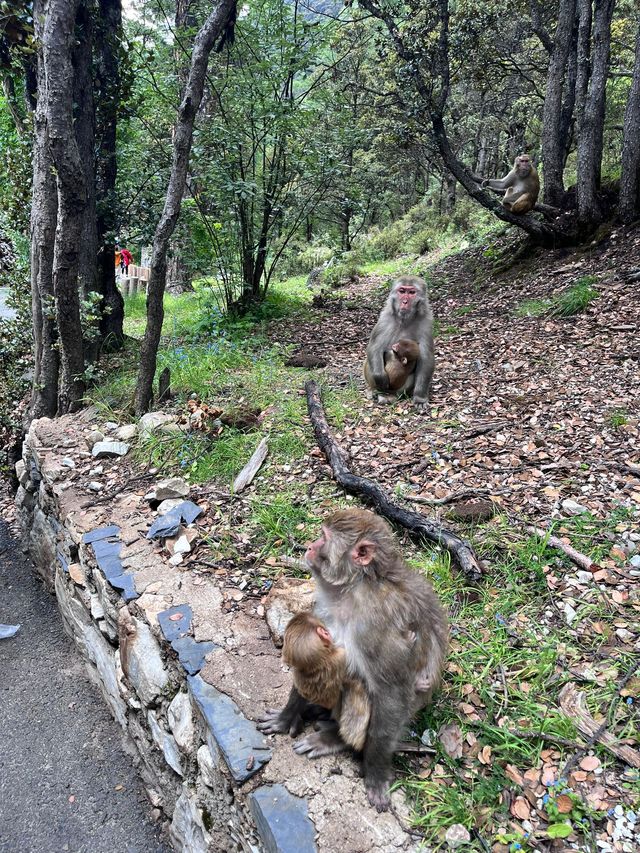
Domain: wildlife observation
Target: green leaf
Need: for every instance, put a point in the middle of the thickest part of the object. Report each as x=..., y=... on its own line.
x=559, y=830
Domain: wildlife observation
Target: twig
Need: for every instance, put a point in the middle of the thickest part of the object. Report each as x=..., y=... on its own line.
x=413, y=521
x=447, y=499
x=573, y=704
x=245, y=477
x=555, y=740
x=114, y=493
x=575, y=556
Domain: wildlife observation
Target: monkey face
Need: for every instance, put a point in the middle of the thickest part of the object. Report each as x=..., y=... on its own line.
x=405, y=296
x=523, y=165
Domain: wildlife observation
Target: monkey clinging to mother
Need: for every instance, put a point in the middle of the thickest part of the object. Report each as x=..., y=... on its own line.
x=394, y=633
x=406, y=316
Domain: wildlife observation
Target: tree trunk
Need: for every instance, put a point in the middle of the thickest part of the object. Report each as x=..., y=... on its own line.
x=629, y=204
x=107, y=84
x=44, y=394
x=85, y=132
x=552, y=139
x=211, y=30
x=59, y=37
x=590, y=138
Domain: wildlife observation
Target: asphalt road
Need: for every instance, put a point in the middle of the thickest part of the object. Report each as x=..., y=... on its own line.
x=66, y=783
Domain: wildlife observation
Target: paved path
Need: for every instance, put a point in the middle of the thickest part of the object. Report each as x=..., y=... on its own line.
x=61, y=753
x=5, y=311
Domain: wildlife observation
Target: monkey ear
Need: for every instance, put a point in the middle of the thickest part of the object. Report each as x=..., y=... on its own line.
x=324, y=635
x=364, y=552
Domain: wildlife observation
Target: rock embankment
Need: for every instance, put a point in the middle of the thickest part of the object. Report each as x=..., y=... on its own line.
x=185, y=679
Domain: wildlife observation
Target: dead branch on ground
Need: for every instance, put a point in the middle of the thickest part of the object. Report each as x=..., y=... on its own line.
x=460, y=550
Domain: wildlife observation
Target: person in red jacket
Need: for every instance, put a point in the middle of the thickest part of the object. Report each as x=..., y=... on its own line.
x=126, y=258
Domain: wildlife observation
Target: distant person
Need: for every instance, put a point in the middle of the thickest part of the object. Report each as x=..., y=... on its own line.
x=126, y=258
x=118, y=257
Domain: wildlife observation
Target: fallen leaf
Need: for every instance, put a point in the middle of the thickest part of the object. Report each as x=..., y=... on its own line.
x=520, y=808
x=450, y=737
x=564, y=804
x=175, y=617
x=484, y=756
x=590, y=762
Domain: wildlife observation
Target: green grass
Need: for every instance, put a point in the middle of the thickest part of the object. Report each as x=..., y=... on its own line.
x=575, y=299
x=619, y=418
x=571, y=301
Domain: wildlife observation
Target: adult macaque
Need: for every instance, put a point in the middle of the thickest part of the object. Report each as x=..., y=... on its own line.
x=521, y=186
x=406, y=315
x=320, y=676
x=392, y=628
x=399, y=363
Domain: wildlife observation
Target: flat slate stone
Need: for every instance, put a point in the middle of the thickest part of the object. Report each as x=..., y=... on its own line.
x=62, y=561
x=282, y=820
x=124, y=583
x=100, y=533
x=174, y=628
x=245, y=750
x=191, y=653
x=165, y=526
x=169, y=523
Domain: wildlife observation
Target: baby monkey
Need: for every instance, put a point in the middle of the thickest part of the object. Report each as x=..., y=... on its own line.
x=320, y=676
x=399, y=363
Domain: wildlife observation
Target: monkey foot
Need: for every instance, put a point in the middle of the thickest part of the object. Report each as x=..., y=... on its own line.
x=319, y=743
x=387, y=399
x=378, y=795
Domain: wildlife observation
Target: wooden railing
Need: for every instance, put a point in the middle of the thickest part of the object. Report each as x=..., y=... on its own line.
x=135, y=281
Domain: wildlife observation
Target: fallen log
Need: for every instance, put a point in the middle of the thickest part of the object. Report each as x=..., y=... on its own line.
x=461, y=551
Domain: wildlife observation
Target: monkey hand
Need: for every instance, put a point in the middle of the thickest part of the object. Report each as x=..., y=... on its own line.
x=378, y=794
x=324, y=742
x=278, y=722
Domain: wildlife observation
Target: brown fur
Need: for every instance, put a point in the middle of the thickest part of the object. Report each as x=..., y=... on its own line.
x=521, y=186
x=319, y=675
x=373, y=604
x=399, y=363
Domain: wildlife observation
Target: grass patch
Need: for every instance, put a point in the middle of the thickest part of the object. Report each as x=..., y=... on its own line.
x=619, y=418
x=571, y=301
x=575, y=299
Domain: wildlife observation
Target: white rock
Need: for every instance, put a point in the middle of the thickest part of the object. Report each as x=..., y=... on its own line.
x=457, y=835
x=175, y=560
x=110, y=426
x=142, y=662
x=182, y=546
x=102, y=656
x=207, y=767
x=569, y=613
x=618, y=811
x=166, y=505
x=187, y=828
x=584, y=577
x=174, y=487
x=94, y=486
x=635, y=561
x=126, y=432
x=166, y=743
x=180, y=716
x=68, y=462
x=21, y=472
x=99, y=469
x=94, y=437
x=153, y=420
x=573, y=507
x=110, y=448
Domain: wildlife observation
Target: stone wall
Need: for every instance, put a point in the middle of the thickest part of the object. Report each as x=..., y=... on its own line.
x=184, y=678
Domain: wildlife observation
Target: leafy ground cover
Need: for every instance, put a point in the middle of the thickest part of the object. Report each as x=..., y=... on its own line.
x=533, y=421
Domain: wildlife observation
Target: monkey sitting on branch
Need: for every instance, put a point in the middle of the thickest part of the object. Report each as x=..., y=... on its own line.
x=399, y=363
x=394, y=633
x=320, y=676
x=406, y=316
x=521, y=186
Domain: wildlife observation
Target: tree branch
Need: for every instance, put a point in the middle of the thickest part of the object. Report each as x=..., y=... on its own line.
x=461, y=551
